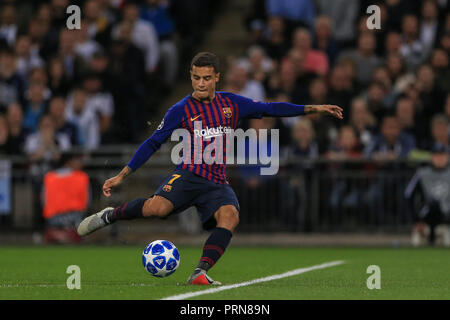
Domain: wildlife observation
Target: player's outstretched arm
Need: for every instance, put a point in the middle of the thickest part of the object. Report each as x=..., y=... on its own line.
x=116, y=181
x=257, y=109
x=329, y=109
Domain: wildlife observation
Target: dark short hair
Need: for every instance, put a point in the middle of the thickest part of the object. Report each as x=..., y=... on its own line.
x=206, y=59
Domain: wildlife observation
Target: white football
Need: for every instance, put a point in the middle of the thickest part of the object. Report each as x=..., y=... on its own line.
x=161, y=258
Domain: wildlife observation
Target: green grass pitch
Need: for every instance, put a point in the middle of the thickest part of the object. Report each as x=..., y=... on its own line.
x=116, y=272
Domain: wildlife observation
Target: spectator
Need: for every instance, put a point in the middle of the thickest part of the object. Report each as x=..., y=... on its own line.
x=393, y=43
x=391, y=143
x=282, y=81
x=85, y=47
x=398, y=73
x=35, y=106
x=344, y=193
x=396, y=10
x=255, y=21
x=237, y=81
x=304, y=144
x=130, y=90
x=17, y=132
x=12, y=85
x=27, y=59
x=57, y=111
x=100, y=101
x=58, y=14
x=45, y=145
x=440, y=64
x=303, y=78
x=295, y=12
x=362, y=121
x=440, y=133
x=325, y=131
x=364, y=57
x=318, y=92
x=429, y=25
x=99, y=65
x=157, y=13
x=73, y=63
x=85, y=118
x=340, y=88
x=350, y=70
x=380, y=34
x=412, y=50
x=64, y=208
x=323, y=39
x=413, y=93
x=274, y=38
x=387, y=147
x=445, y=42
x=431, y=96
x=376, y=99
x=343, y=15
x=408, y=121
x=97, y=15
x=381, y=75
x=428, y=194
x=55, y=10
x=325, y=127
x=43, y=39
x=346, y=147
x=59, y=82
x=143, y=35
x=313, y=60
x=258, y=65
x=8, y=25
x=39, y=75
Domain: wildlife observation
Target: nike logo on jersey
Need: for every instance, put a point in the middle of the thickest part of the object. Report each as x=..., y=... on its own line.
x=192, y=119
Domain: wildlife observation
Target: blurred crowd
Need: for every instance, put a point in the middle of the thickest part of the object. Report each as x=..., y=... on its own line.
x=74, y=79
x=393, y=83
x=93, y=86
x=87, y=87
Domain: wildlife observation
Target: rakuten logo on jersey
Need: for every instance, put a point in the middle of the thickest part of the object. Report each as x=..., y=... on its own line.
x=252, y=147
x=211, y=132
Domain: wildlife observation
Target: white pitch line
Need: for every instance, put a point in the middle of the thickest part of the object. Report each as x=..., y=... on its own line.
x=247, y=283
x=12, y=285
x=45, y=285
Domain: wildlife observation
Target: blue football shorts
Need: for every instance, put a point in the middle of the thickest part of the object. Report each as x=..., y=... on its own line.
x=186, y=189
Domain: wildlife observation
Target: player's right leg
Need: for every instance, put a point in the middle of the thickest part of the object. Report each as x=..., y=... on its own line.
x=155, y=206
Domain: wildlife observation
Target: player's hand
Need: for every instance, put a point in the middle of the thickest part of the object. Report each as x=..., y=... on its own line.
x=332, y=110
x=110, y=184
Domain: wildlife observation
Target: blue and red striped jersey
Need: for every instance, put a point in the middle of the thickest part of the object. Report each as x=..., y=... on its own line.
x=209, y=121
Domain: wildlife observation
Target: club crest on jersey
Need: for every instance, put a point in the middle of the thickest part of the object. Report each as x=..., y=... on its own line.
x=227, y=112
x=167, y=188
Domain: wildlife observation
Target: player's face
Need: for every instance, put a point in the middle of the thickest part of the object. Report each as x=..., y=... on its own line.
x=204, y=81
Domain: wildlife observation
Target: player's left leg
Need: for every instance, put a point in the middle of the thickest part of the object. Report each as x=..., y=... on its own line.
x=227, y=218
x=156, y=206
x=169, y=196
